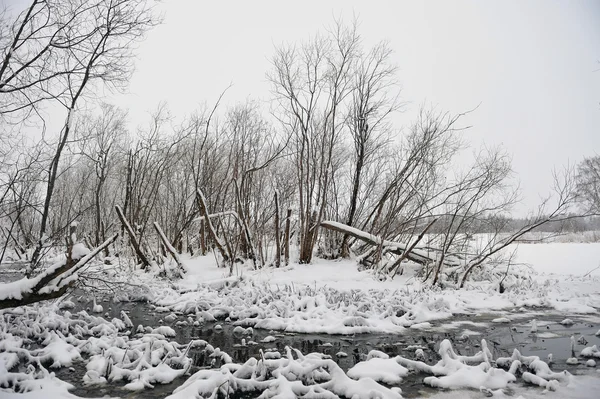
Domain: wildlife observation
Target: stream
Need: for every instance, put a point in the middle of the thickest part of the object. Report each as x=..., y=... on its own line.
x=465, y=331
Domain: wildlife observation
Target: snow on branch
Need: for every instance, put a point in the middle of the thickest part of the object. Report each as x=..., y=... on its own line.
x=52, y=283
x=216, y=215
x=413, y=254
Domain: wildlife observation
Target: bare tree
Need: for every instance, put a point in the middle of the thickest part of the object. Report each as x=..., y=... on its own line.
x=367, y=120
x=555, y=208
x=104, y=136
x=588, y=183
x=55, y=51
x=311, y=84
x=481, y=192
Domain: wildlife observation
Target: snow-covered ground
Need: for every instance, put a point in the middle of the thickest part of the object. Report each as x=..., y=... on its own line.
x=327, y=297
x=562, y=258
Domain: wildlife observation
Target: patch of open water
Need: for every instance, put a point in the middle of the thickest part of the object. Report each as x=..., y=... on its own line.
x=464, y=331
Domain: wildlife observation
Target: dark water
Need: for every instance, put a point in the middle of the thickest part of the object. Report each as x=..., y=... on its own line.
x=502, y=339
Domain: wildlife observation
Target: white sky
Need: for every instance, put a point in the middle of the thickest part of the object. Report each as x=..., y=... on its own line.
x=533, y=65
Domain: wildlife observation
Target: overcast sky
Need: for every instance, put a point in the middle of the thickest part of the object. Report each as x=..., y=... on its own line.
x=533, y=65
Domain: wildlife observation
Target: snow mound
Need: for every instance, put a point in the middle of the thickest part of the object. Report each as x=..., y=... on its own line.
x=382, y=370
x=591, y=351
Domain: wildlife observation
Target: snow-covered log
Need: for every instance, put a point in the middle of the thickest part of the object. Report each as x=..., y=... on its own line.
x=414, y=254
x=51, y=283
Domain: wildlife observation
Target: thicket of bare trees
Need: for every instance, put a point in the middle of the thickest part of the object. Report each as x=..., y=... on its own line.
x=588, y=183
x=326, y=171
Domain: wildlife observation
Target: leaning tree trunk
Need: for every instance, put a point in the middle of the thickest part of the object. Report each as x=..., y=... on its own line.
x=134, y=242
x=170, y=248
x=219, y=243
x=56, y=280
x=52, y=174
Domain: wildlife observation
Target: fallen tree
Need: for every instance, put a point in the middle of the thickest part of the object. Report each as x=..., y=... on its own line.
x=409, y=252
x=53, y=282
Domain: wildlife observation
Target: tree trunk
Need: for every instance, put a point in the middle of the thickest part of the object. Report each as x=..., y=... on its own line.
x=134, y=242
x=202, y=237
x=277, y=234
x=345, y=247
x=247, y=242
x=63, y=273
x=169, y=247
x=287, y=237
x=52, y=173
x=221, y=246
x=128, y=186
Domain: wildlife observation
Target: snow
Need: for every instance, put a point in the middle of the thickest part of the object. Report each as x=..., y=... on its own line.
x=52, y=387
x=97, y=308
x=16, y=289
x=453, y=372
x=534, y=327
x=582, y=387
x=334, y=297
x=57, y=351
x=331, y=297
x=561, y=258
x=591, y=352
x=165, y=331
x=79, y=251
x=143, y=361
x=382, y=370
x=415, y=253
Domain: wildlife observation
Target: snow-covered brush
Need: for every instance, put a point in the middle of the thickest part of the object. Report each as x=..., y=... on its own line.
x=292, y=374
x=456, y=372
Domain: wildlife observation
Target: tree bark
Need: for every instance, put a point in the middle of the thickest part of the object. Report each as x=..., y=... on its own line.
x=202, y=237
x=287, y=237
x=277, y=233
x=134, y=242
x=169, y=247
x=221, y=246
